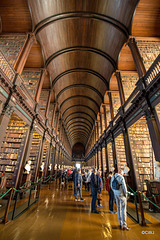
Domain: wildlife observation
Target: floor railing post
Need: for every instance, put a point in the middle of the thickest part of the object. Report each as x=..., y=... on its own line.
x=143, y=223
x=5, y=218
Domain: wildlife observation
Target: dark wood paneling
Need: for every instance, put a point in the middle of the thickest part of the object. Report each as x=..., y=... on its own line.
x=15, y=16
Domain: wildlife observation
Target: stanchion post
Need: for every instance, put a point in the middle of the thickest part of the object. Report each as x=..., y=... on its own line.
x=29, y=200
x=5, y=218
x=143, y=223
x=38, y=190
x=50, y=182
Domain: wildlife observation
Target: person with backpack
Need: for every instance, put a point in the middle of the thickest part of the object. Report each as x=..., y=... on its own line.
x=74, y=180
x=119, y=188
x=100, y=183
x=111, y=193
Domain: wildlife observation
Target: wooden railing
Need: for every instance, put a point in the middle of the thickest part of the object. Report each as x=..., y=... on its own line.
x=153, y=71
x=6, y=68
x=28, y=98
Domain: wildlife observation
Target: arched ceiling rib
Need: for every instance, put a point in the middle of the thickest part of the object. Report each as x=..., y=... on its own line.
x=79, y=119
x=81, y=114
x=81, y=41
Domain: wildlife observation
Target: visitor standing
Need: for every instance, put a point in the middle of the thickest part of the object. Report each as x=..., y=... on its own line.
x=94, y=189
x=111, y=193
x=78, y=182
x=119, y=188
x=100, y=183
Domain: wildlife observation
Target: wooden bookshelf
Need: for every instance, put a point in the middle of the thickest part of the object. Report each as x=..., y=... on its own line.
x=149, y=51
x=120, y=152
x=142, y=152
x=157, y=107
x=30, y=80
x=11, y=151
x=129, y=82
x=11, y=46
x=116, y=102
x=35, y=154
x=45, y=156
x=110, y=155
x=43, y=100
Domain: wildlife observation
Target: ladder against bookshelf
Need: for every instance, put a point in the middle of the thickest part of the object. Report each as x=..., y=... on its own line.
x=11, y=152
x=142, y=152
x=35, y=154
x=110, y=156
x=120, y=152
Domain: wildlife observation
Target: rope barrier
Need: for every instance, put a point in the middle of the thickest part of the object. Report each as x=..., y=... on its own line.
x=150, y=200
x=154, y=195
x=145, y=196
x=131, y=190
x=32, y=185
x=5, y=193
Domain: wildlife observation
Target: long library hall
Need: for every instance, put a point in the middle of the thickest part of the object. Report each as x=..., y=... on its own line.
x=79, y=119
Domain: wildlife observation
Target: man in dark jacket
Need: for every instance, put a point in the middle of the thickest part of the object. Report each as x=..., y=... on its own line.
x=94, y=188
x=78, y=182
x=74, y=180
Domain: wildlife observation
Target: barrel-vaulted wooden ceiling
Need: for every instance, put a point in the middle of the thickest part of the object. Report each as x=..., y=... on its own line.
x=80, y=41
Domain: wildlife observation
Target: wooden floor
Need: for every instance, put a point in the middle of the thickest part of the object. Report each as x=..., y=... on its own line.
x=57, y=216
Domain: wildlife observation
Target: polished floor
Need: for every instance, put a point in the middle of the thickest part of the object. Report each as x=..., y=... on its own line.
x=57, y=216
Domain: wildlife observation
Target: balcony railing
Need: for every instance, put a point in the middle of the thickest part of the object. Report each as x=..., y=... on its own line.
x=153, y=71
x=6, y=68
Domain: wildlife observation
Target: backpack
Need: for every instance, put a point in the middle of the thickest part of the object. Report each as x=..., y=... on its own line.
x=108, y=188
x=115, y=184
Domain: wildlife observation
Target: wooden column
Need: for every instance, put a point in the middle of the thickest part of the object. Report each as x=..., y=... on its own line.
x=106, y=157
x=19, y=65
x=154, y=132
x=4, y=120
x=95, y=138
x=47, y=161
x=97, y=158
x=97, y=128
x=114, y=153
x=101, y=127
x=136, y=57
x=60, y=129
x=54, y=114
x=102, y=169
x=53, y=160
x=130, y=164
x=27, y=151
x=111, y=125
x=57, y=121
x=48, y=103
x=120, y=87
x=40, y=158
x=111, y=105
x=105, y=116
x=40, y=84
x=58, y=157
